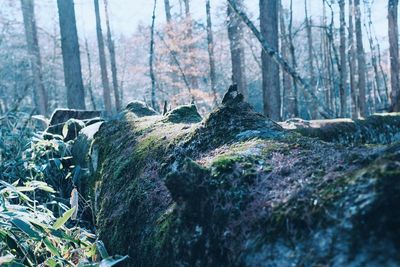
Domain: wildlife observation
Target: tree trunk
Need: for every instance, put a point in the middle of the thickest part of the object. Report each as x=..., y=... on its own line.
x=292, y=50
x=28, y=12
x=235, y=34
x=151, y=60
x=210, y=41
x=270, y=70
x=394, y=54
x=288, y=104
x=352, y=63
x=90, y=83
x=167, y=8
x=113, y=61
x=343, y=61
x=360, y=60
x=71, y=55
x=103, y=62
x=325, y=112
x=311, y=70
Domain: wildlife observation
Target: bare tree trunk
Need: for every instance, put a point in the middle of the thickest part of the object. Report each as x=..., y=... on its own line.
x=90, y=83
x=295, y=93
x=235, y=34
x=190, y=49
x=28, y=12
x=360, y=60
x=71, y=55
x=326, y=113
x=289, y=106
x=352, y=63
x=394, y=54
x=113, y=60
x=270, y=70
x=151, y=60
x=167, y=8
x=311, y=69
x=210, y=41
x=102, y=58
x=343, y=61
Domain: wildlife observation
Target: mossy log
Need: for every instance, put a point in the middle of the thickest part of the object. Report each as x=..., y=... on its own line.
x=237, y=189
x=376, y=129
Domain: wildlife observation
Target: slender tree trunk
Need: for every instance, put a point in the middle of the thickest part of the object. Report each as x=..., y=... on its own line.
x=151, y=60
x=235, y=34
x=210, y=41
x=394, y=54
x=311, y=69
x=352, y=63
x=90, y=83
x=167, y=8
x=292, y=49
x=289, y=107
x=71, y=55
x=28, y=12
x=343, y=61
x=360, y=60
x=102, y=58
x=113, y=60
x=270, y=70
x=325, y=112
x=191, y=47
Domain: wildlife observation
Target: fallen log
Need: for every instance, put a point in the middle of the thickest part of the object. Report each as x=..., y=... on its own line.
x=237, y=189
x=376, y=129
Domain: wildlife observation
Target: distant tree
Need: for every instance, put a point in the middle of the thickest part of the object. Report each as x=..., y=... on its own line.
x=394, y=53
x=310, y=56
x=113, y=60
x=103, y=62
x=352, y=62
x=71, y=55
x=210, y=41
x=167, y=8
x=28, y=13
x=235, y=35
x=360, y=60
x=343, y=60
x=151, y=59
x=270, y=69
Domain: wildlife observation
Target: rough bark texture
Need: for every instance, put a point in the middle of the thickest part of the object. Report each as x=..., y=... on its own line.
x=360, y=60
x=235, y=34
x=236, y=189
x=270, y=69
x=102, y=59
x=28, y=12
x=71, y=55
x=394, y=53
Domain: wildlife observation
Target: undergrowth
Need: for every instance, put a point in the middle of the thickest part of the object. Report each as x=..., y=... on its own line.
x=38, y=227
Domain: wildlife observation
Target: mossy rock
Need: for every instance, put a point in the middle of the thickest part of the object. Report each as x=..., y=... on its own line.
x=140, y=109
x=183, y=114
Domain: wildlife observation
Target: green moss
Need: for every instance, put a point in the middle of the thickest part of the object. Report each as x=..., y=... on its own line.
x=183, y=114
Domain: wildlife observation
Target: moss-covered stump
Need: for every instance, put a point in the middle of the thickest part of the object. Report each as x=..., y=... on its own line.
x=376, y=129
x=238, y=190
